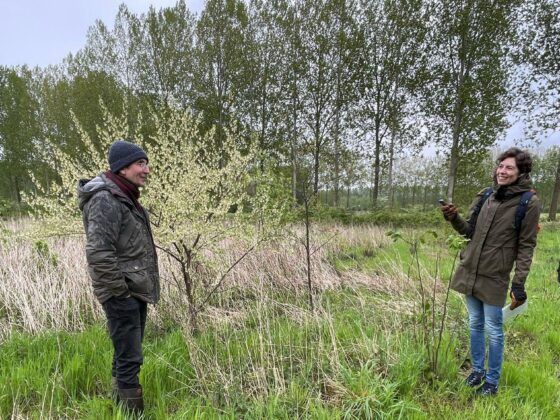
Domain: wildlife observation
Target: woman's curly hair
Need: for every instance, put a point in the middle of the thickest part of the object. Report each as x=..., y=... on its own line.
x=522, y=159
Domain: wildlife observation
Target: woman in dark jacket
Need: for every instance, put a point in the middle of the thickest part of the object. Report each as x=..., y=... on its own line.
x=486, y=263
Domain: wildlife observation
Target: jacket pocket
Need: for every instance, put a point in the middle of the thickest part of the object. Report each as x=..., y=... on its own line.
x=136, y=276
x=509, y=256
x=491, y=262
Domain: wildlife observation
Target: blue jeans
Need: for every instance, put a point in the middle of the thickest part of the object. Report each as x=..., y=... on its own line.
x=483, y=316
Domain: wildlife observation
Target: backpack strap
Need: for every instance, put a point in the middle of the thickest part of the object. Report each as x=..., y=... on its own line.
x=522, y=208
x=476, y=210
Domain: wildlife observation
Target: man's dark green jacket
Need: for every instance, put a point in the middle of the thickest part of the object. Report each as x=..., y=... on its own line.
x=120, y=251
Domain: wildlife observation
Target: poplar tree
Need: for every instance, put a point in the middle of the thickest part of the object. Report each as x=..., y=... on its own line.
x=465, y=94
x=19, y=130
x=292, y=81
x=326, y=42
x=262, y=109
x=115, y=51
x=393, y=34
x=166, y=54
x=221, y=70
x=538, y=74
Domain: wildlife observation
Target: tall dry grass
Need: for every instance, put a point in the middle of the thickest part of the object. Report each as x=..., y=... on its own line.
x=37, y=294
x=260, y=343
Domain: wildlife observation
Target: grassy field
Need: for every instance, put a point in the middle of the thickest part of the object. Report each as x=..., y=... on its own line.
x=365, y=352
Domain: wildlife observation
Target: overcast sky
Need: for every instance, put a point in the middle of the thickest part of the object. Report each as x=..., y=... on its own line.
x=43, y=32
x=515, y=134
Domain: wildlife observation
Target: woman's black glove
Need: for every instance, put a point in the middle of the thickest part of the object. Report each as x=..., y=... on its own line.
x=449, y=212
x=518, y=295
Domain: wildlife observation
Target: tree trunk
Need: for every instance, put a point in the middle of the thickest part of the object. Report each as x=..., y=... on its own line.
x=17, y=191
x=454, y=157
x=336, y=158
x=294, y=141
x=337, y=136
x=555, y=193
x=316, y=157
x=458, y=108
x=308, y=253
x=390, y=171
x=193, y=314
x=376, y=166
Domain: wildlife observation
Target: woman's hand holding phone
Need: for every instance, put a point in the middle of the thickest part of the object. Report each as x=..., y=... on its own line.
x=449, y=210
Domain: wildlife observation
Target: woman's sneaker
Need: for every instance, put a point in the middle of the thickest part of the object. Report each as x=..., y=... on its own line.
x=475, y=378
x=487, y=389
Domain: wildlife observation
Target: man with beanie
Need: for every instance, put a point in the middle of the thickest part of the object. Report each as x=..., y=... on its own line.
x=122, y=261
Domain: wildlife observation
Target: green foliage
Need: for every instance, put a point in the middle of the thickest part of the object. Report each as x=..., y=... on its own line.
x=392, y=51
x=537, y=81
x=359, y=358
x=474, y=173
x=56, y=202
x=546, y=175
x=456, y=242
x=432, y=312
x=7, y=208
x=68, y=373
x=372, y=396
x=402, y=218
x=467, y=72
x=220, y=69
x=338, y=90
x=19, y=127
x=43, y=251
x=199, y=193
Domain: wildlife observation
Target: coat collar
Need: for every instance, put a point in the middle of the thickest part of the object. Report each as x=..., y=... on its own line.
x=523, y=183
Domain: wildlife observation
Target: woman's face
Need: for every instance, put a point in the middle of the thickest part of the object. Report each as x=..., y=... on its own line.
x=507, y=172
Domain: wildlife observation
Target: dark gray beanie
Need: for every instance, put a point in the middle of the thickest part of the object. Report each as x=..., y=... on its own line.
x=123, y=153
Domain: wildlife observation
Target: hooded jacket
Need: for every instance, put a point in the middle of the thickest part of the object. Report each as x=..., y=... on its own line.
x=120, y=250
x=487, y=261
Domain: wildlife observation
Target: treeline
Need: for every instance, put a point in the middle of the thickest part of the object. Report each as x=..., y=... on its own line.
x=341, y=95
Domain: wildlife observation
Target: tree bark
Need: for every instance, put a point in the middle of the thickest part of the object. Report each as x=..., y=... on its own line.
x=308, y=253
x=337, y=159
x=555, y=193
x=294, y=138
x=454, y=156
x=390, y=171
x=316, y=157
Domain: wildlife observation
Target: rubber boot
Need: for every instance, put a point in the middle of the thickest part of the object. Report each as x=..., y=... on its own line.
x=132, y=400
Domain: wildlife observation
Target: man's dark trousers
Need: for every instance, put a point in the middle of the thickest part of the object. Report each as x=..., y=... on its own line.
x=126, y=319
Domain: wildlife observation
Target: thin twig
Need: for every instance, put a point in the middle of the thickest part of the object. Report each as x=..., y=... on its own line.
x=207, y=298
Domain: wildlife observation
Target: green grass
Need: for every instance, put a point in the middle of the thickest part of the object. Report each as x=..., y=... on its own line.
x=355, y=358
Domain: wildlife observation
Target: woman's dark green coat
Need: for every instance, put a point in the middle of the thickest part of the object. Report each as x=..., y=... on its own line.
x=486, y=263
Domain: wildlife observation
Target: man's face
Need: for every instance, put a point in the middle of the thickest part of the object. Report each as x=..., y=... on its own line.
x=136, y=172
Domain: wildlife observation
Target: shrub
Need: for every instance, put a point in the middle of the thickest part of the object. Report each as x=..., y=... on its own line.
x=386, y=217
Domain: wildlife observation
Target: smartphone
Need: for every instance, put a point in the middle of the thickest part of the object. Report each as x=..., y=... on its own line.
x=442, y=202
